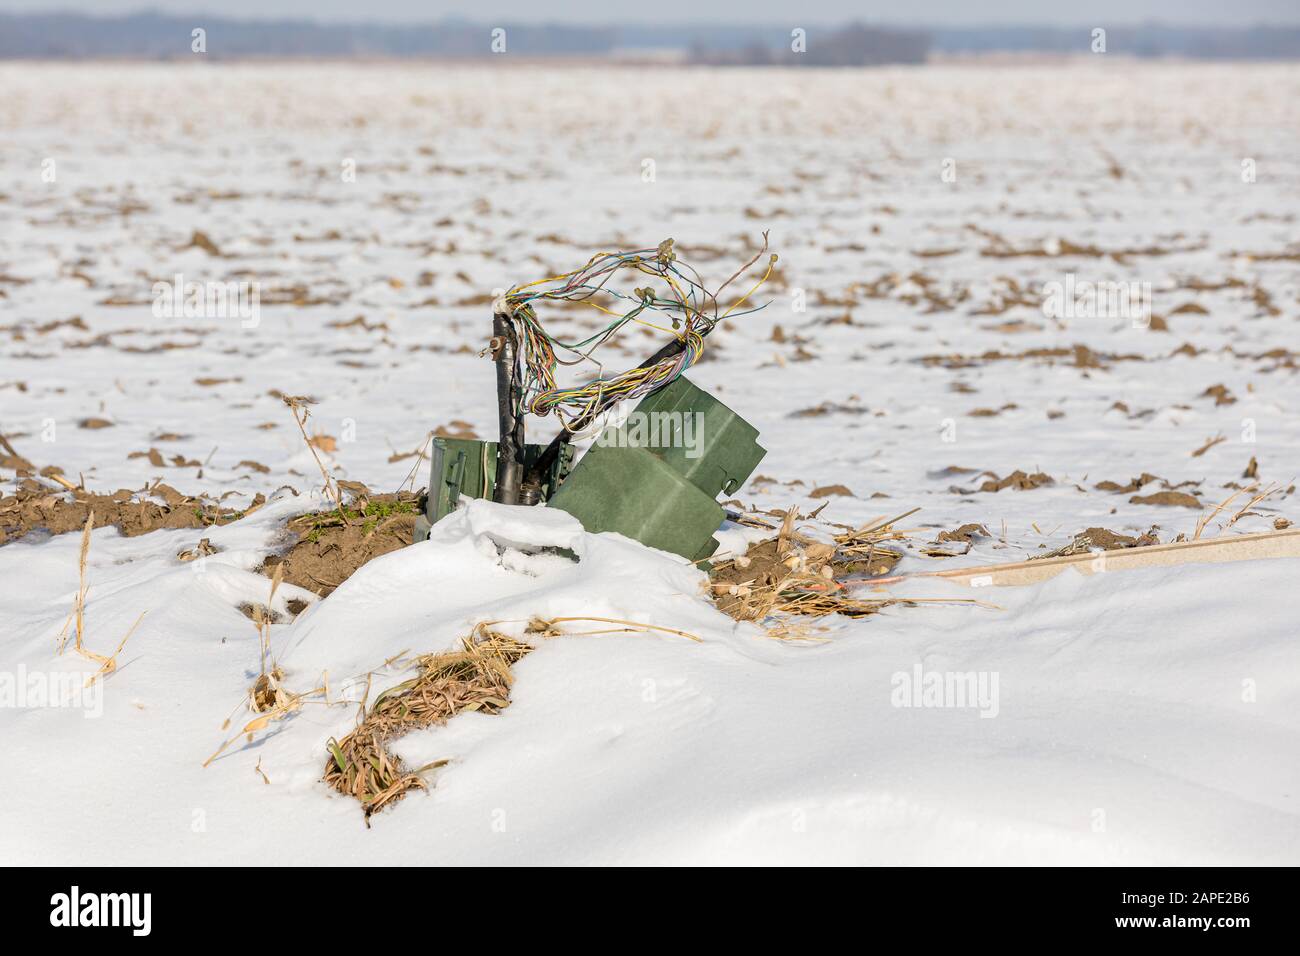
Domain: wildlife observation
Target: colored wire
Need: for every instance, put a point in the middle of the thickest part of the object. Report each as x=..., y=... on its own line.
x=690, y=307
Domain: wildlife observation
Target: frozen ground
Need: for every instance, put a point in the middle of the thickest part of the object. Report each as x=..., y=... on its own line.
x=1143, y=717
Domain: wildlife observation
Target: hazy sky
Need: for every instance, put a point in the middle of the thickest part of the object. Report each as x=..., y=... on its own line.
x=920, y=12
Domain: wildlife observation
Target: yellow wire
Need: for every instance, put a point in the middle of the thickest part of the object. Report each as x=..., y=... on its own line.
x=592, y=394
x=770, y=263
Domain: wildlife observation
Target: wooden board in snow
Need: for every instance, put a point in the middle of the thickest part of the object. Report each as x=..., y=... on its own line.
x=1242, y=547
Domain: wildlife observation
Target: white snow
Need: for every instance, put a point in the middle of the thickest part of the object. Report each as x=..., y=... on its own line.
x=653, y=748
x=1140, y=717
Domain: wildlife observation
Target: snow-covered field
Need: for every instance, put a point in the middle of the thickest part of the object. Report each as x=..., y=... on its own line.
x=923, y=219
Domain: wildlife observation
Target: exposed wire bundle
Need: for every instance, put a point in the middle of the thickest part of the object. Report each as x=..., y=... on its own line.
x=691, y=308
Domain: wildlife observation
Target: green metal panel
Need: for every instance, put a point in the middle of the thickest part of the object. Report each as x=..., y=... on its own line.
x=467, y=466
x=460, y=466
x=710, y=446
x=631, y=491
x=656, y=477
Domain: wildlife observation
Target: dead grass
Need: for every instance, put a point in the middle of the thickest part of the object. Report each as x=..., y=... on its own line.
x=77, y=616
x=475, y=678
x=268, y=697
x=1209, y=443
x=298, y=407
x=271, y=701
x=1242, y=512
x=262, y=618
x=796, y=576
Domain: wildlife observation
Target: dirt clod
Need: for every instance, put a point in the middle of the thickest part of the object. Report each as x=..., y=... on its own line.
x=200, y=240
x=1112, y=541
x=327, y=551
x=38, y=507
x=967, y=533
x=1093, y=539
x=1220, y=394
x=455, y=429
x=1018, y=480
x=826, y=491
x=1135, y=484
x=1175, y=499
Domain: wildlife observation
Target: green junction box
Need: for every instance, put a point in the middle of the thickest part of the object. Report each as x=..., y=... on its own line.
x=655, y=478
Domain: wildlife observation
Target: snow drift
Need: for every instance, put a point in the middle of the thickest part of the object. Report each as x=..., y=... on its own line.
x=1122, y=733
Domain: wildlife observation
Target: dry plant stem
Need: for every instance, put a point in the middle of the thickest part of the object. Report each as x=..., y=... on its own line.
x=290, y=704
x=264, y=625
x=331, y=487
x=1245, y=510
x=76, y=615
x=632, y=624
x=109, y=664
x=546, y=628
x=77, y=618
x=1203, y=522
x=419, y=457
x=83, y=587
x=1205, y=519
x=881, y=526
x=1216, y=440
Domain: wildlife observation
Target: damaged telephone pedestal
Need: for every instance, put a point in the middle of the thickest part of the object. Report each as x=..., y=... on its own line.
x=658, y=484
x=655, y=478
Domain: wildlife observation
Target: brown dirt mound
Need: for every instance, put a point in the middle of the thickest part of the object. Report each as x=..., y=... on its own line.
x=1135, y=484
x=9, y=458
x=1079, y=356
x=1090, y=539
x=965, y=534
x=331, y=546
x=827, y=491
x=1175, y=499
x=35, y=506
x=959, y=541
x=1112, y=541
x=1018, y=480
x=1220, y=394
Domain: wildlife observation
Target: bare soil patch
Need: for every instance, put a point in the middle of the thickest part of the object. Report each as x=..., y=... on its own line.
x=329, y=546
x=36, y=506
